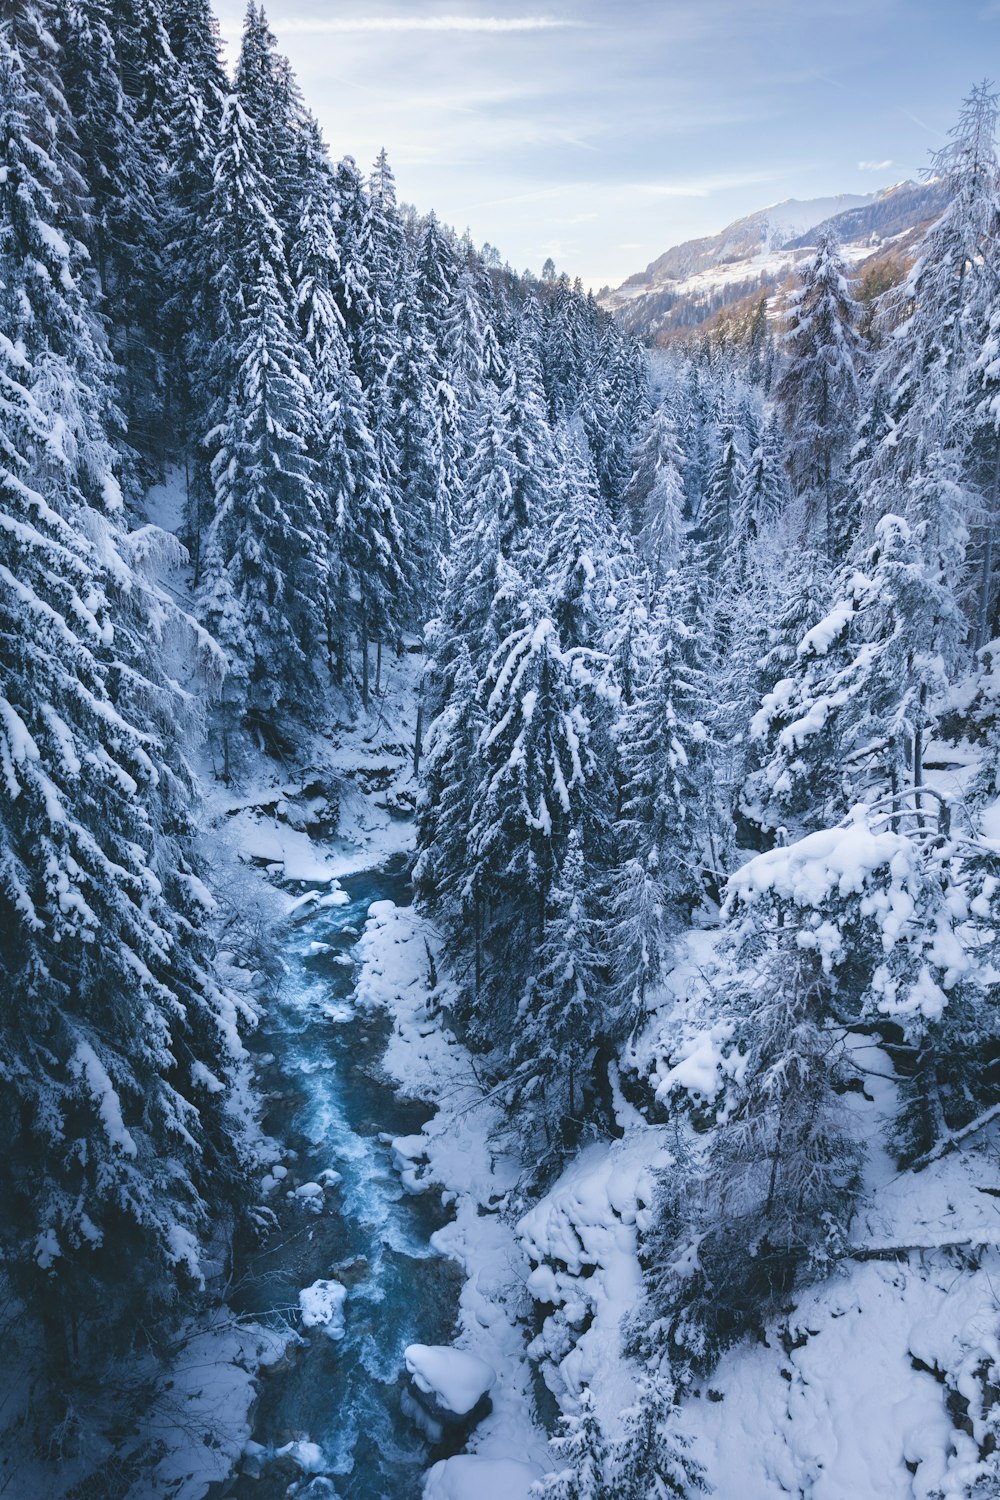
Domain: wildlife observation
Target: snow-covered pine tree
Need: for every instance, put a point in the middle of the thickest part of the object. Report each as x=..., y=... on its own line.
x=720, y=507
x=939, y=315
x=579, y=539
x=562, y=362
x=765, y=490
x=362, y=577
x=190, y=312
x=354, y=289
x=445, y=808
x=655, y=494
x=613, y=404
x=797, y=595
x=650, y=1461
x=852, y=717
x=538, y=781
x=106, y=70
x=696, y=437
x=782, y=1171
x=667, y=833
x=383, y=248
x=562, y=1020
x=818, y=392
x=119, y=1051
x=465, y=341
x=985, y=477
x=583, y=1454
x=410, y=399
x=437, y=272
x=526, y=436
x=262, y=583
x=271, y=98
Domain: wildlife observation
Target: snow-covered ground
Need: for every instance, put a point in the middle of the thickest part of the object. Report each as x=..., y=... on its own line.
x=464, y=1154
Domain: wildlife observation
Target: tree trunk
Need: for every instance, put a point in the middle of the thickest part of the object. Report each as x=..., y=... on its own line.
x=378, y=666
x=364, y=661
x=418, y=738
x=983, y=613
x=918, y=755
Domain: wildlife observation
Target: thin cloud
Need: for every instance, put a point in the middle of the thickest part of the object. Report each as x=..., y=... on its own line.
x=702, y=187
x=316, y=26
x=875, y=166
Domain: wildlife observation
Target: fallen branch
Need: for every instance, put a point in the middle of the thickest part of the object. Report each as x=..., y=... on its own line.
x=956, y=1138
x=979, y=1241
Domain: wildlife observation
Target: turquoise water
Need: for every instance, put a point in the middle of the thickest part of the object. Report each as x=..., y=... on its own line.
x=327, y=1101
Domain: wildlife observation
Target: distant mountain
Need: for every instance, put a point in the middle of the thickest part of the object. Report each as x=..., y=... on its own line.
x=690, y=283
x=895, y=210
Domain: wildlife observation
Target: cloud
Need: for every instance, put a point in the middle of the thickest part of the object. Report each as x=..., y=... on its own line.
x=875, y=166
x=309, y=25
x=701, y=187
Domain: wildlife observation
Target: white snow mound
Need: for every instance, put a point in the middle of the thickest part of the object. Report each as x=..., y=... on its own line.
x=457, y=1379
x=469, y=1477
x=322, y=1307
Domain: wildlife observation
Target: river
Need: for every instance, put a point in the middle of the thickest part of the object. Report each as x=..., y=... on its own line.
x=327, y=1102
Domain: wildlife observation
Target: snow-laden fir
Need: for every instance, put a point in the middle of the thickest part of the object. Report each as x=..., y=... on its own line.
x=675, y=676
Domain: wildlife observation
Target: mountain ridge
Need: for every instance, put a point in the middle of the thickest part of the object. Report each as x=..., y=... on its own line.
x=689, y=283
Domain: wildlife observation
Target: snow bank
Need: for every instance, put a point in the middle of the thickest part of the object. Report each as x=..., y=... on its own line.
x=462, y=1153
x=583, y=1240
x=469, y=1477
x=456, y=1379
x=859, y=1406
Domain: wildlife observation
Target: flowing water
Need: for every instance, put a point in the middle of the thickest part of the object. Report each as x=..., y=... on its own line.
x=328, y=1103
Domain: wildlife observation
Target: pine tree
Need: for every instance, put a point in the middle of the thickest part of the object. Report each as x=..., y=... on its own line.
x=261, y=589
x=437, y=275
x=655, y=494
x=939, y=315
x=410, y=399
x=561, y=1021
x=650, y=1461
x=191, y=314
x=119, y=1159
x=562, y=360
x=538, y=780
x=526, y=434
x=123, y=168
x=582, y=1451
x=669, y=813
x=818, y=393
x=613, y=405
x=573, y=568
x=765, y=492
x=853, y=716
x=720, y=507
x=696, y=439
x=363, y=577
x=270, y=97
x=782, y=1170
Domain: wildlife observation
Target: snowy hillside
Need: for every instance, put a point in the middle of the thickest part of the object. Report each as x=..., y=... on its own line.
x=685, y=285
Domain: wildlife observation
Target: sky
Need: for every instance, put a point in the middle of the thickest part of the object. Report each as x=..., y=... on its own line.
x=601, y=132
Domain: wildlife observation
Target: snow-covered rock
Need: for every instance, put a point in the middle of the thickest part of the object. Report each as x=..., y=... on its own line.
x=456, y=1380
x=322, y=1306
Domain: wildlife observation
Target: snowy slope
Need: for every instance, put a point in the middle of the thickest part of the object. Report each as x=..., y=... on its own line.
x=690, y=280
